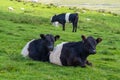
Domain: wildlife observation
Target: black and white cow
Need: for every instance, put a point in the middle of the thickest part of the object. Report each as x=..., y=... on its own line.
x=74, y=53
x=66, y=17
x=38, y=49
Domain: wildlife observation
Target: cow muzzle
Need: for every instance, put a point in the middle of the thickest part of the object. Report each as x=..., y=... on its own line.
x=50, y=48
x=92, y=51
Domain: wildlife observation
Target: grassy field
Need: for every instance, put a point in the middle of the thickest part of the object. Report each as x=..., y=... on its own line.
x=18, y=27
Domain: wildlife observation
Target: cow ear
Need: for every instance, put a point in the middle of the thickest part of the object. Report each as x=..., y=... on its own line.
x=55, y=15
x=83, y=37
x=42, y=36
x=57, y=37
x=98, y=40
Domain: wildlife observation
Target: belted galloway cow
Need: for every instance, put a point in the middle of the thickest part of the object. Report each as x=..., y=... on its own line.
x=74, y=53
x=66, y=17
x=39, y=49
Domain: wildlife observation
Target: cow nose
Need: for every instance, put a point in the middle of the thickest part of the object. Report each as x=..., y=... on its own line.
x=50, y=48
x=92, y=51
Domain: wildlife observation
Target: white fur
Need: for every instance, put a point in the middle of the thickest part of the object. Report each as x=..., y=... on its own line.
x=56, y=24
x=67, y=17
x=55, y=54
x=25, y=51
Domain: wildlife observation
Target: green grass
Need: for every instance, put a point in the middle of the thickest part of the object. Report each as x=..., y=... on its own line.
x=18, y=27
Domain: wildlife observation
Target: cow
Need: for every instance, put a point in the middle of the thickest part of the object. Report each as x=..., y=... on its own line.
x=74, y=53
x=38, y=49
x=66, y=17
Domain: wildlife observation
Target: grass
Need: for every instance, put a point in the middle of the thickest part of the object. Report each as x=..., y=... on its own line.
x=18, y=27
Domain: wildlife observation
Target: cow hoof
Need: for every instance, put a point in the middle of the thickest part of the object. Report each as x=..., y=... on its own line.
x=89, y=64
x=83, y=66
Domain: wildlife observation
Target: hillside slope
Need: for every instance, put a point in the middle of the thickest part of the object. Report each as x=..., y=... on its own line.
x=109, y=5
x=17, y=27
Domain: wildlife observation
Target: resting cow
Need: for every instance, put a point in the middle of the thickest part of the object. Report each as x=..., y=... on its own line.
x=66, y=17
x=39, y=49
x=74, y=53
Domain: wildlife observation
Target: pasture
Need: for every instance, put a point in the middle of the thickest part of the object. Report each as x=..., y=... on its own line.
x=20, y=26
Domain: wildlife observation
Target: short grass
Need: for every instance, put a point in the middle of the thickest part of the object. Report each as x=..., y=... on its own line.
x=18, y=27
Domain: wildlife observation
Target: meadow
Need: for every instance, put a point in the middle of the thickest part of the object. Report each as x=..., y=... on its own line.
x=17, y=27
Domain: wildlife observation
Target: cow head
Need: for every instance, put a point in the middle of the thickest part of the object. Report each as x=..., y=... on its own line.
x=48, y=40
x=90, y=43
x=54, y=18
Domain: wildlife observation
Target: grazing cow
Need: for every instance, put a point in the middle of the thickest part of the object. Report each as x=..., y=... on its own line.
x=74, y=53
x=66, y=17
x=39, y=49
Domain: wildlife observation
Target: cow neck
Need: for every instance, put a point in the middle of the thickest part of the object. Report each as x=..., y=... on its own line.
x=85, y=53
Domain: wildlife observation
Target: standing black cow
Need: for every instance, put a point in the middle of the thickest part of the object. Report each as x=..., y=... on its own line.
x=66, y=17
x=39, y=49
x=74, y=53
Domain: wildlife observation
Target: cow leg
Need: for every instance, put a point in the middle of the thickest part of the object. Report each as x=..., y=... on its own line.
x=88, y=63
x=71, y=61
x=32, y=55
x=77, y=61
x=63, y=25
x=83, y=64
x=75, y=24
x=74, y=27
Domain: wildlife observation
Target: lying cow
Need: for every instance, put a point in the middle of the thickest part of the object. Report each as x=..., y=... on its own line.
x=66, y=17
x=74, y=53
x=39, y=49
